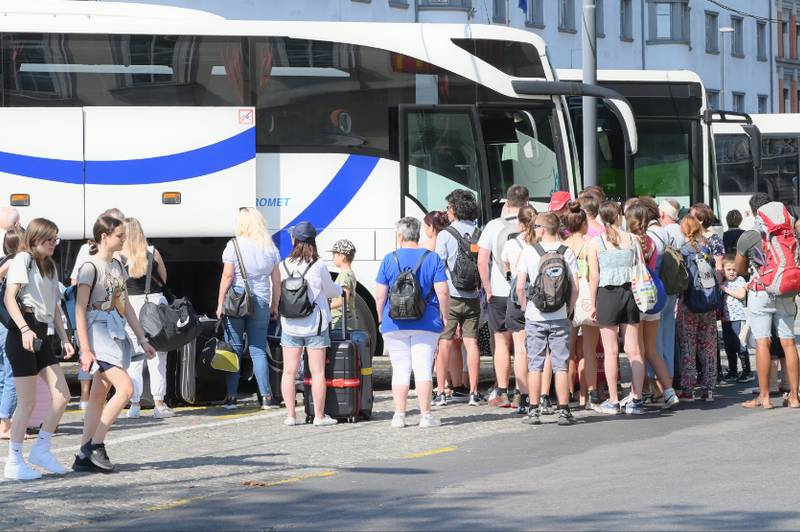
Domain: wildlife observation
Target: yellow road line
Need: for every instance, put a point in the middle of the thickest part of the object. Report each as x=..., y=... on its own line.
x=248, y=412
x=325, y=474
x=429, y=453
x=178, y=503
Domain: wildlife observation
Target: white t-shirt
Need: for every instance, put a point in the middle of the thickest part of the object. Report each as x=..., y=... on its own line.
x=488, y=240
x=320, y=288
x=529, y=263
x=512, y=252
x=83, y=256
x=39, y=293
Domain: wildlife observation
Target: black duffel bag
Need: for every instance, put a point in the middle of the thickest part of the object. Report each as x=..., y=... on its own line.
x=168, y=327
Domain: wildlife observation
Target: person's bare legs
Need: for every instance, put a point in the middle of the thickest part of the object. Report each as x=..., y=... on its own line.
x=547, y=375
x=591, y=335
x=502, y=358
x=443, y=364
x=572, y=368
x=319, y=388
x=520, y=361
x=763, y=367
x=26, y=401
x=53, y=376
x=647, y=345
x=456, y=365
x=98, y=420
x=86, y=387
x=630, y=334
x=562, y=387
x=535, y=386
x=400, y=396
x=473, y=363
x=792, y=367
x=291, y=363
x=611, y=347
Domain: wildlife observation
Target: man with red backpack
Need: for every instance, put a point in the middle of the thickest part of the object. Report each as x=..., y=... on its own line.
x=768, y=254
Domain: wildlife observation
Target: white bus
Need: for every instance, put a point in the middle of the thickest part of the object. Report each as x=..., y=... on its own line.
x=774, y=170
x=179, y=118
x=675, y=158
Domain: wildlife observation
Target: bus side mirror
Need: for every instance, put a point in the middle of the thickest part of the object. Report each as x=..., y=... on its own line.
x=755, y=144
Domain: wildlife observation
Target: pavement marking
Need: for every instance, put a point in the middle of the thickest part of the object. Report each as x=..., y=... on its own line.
x=261, y=484
x=178, y=503
x=437, y=451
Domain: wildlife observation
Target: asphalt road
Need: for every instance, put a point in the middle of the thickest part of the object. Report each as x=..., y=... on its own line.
x=706, y=466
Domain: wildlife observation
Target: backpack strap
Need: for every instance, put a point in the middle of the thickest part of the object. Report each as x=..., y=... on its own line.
x=241, y=266
x=561, y=249
x=397, y=260
x=539, y=249
x=659, y=238
x=508, y=221
x=303, y=275
x=521, y=249
x=414, y=271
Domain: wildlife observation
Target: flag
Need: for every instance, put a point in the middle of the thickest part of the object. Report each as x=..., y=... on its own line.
x=523, y=5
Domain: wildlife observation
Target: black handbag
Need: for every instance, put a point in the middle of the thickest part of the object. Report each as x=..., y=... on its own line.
x=167, y=327
x=5, y=317
x=238, y=304
x=218, y=357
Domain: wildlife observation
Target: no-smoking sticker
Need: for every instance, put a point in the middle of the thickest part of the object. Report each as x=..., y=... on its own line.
x=245, y=116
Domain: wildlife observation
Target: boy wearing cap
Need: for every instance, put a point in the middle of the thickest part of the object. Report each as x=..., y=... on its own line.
x=344, y=252
x=558, y=203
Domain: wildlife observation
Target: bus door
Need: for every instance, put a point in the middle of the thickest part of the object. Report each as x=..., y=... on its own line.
x=41, y=165
x=441, y=150
x=183, y=172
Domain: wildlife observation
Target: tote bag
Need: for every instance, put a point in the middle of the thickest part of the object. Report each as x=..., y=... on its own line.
x=583, y=307
x=642, y=285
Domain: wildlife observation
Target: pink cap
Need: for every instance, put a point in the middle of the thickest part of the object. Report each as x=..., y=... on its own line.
x=559, y=200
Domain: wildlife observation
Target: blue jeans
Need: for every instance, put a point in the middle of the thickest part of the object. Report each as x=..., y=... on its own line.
x=8, y=393
x=256, y=329
x=665, y=343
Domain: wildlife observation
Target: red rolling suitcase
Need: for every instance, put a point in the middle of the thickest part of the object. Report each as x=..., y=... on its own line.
x=343, y=377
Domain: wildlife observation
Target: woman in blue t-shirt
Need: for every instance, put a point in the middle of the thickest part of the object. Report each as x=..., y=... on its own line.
x=412, y=343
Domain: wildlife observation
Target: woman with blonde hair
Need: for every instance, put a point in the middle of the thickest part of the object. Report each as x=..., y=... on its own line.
x=260, y=258
x=33, y=276
x=136, y=256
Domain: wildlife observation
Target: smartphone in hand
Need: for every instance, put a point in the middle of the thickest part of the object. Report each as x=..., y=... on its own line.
x=37, y=344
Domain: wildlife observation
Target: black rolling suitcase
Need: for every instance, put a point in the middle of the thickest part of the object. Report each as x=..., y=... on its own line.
x=275, y=359
x=343, y=376
x=367, y=397
x=183, y=385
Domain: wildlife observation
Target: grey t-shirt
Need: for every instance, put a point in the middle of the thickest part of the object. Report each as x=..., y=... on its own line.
x=674, y=232
x=447, y=248
x=107, y=280
x=748, y=243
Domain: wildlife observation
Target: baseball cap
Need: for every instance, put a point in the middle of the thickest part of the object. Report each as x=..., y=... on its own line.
x=304, y=232
x=343, y=246
x=559, y=200
x=669, y=210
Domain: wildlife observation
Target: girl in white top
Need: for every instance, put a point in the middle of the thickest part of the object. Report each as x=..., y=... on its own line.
x=101, y=310
x=33, y=274
x=515, y=318
x=311, y=331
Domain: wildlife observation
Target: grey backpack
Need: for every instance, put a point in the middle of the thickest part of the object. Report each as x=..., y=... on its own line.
x=294, y=302
x=552, y=288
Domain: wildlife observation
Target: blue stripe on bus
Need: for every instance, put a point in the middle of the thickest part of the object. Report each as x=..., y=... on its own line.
x=332, y=200
x=220, y=156
x=58, y=170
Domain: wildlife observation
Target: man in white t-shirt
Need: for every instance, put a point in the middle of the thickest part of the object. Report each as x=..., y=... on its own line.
x=496, y=283
x=547, y=329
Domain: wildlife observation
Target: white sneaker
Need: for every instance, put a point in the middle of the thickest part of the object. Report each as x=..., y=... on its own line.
x=290, y=421
x=42, y=456
x=162, y=412
x=324, y=421
x=134, y=412
x=628, y=400
x=429, y=421
x=83, y=405
x=398, y=421
x=21, y=471
x=670, y=402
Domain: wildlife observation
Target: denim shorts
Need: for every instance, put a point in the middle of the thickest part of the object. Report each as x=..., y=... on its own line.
x=320, y=341
x=766, y=311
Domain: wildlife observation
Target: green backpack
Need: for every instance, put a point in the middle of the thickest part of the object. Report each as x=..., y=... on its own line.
x=674, y=273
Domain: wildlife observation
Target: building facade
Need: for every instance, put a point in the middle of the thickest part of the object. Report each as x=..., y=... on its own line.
x=755, y=42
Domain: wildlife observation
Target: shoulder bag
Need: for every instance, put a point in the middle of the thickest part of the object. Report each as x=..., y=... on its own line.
x=218, y=357
x=644, y=289
x=239, y=304
x=5, y=317
x=583, y=307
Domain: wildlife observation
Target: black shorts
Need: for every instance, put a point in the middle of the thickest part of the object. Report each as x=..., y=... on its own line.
x=23, y=362
x=616, y=305
x=515, y=318
x=497, y=314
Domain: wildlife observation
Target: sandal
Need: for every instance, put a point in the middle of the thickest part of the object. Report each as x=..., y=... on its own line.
x=756, y=403
x=787, y=403
x=654, y=400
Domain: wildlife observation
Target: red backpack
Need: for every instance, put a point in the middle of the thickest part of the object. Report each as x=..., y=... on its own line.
x=776, y=271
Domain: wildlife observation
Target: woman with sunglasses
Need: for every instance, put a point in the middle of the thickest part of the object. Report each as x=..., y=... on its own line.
x=33, y=276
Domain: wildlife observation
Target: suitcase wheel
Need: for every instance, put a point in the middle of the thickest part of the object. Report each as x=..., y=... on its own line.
x=365, y=416
x=309, y=419
x=352, y=419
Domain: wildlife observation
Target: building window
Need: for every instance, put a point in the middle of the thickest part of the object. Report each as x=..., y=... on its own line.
x=399, y=3
x=712, y=32
x=626, y=19
x=738, y=102
x=712, y=100
x=761, y=40
x=463, y=4
x=499, y=10
x=599, y=16
x=566, y=15
x=763, y=104
x=535, y=15
x=785, y=34
x=737, y=37
x=669, y=21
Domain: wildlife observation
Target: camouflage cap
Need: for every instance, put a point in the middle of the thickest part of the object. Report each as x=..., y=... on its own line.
x=345, y=247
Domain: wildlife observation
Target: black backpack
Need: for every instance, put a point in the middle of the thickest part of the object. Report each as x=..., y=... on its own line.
x=294, y=301
x=405, y=297
x=551, y=289
x=465, y=275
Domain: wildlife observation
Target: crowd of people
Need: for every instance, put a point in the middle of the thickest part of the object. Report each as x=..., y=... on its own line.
x=557, y=288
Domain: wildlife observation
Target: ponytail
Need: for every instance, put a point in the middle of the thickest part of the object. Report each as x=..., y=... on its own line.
x=609, y=212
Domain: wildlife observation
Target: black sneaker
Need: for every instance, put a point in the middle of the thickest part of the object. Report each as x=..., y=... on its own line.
x=746, y=377
x=229, y=403
x=460, y=394
x=269, y=403
x=545, y=406
x=86, y=465
x=96, y=452
x=524, y=404
x=565, y=418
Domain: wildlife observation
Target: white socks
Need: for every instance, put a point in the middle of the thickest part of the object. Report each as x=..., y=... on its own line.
x=15, y=453
x=43, y=439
